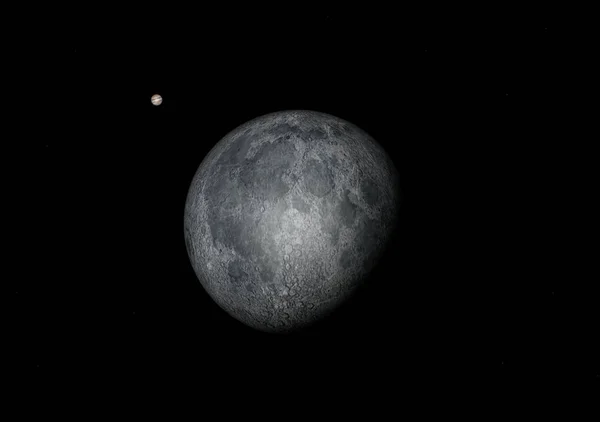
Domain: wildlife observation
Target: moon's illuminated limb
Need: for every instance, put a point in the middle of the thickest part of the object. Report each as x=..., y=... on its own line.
x=287, y=215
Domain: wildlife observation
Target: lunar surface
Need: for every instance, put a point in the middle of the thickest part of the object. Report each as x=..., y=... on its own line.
x=287, y=215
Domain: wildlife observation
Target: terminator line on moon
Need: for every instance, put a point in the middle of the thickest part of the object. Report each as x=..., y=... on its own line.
x=287, y=215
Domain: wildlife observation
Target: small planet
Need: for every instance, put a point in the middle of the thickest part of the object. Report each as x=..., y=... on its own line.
x=287, y=216
x=156, y=100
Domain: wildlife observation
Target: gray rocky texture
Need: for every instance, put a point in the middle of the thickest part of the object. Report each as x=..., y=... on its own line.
x=287, y=215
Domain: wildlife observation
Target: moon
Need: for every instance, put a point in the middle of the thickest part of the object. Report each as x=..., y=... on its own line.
x=287, y=215
x=156, y=100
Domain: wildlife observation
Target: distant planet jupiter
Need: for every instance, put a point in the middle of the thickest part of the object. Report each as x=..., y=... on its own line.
x=156, y=99
x=287, y=215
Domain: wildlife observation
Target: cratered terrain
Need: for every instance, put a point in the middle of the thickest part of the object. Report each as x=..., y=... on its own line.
x=287, y=215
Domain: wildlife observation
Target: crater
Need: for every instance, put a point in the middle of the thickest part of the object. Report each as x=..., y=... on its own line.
x=336, y=130
x=236, y=153
x=318, y=179
x=236, y=271
x=370, y=242
x=346, y=258
x=265, y=183
x=284, y=129
x=300, y=205
x=188, y=244
x=317, y=134
x=278, y=153
x=234, y=233
x=347, y=210
x=370, y=191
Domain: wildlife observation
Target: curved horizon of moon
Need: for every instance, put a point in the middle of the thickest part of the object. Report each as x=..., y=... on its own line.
x=287, y=215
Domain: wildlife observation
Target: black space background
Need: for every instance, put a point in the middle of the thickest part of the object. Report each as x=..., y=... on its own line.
x=469, y=293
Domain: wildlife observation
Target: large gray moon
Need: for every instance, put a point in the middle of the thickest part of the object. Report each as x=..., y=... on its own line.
x=287, y=215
